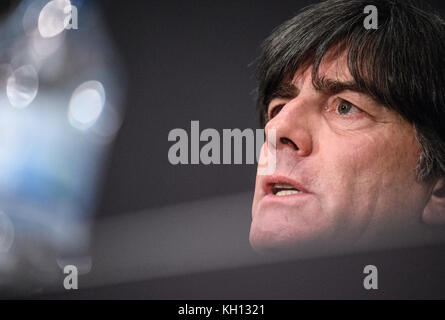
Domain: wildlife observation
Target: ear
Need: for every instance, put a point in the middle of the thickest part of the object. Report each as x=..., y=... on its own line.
x=434, y=212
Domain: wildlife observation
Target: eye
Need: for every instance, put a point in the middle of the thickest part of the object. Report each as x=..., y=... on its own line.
x=274, y=110
x=345, y=108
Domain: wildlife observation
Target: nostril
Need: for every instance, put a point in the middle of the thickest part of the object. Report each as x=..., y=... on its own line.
x=289, y=142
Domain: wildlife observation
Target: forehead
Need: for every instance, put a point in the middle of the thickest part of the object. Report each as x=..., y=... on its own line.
x=333, y=67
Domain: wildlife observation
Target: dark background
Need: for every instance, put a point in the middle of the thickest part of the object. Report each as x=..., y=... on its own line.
x=185, y=60
x=192, y=60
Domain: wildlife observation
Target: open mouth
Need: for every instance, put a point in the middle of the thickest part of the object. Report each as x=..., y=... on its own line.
x=284, y=189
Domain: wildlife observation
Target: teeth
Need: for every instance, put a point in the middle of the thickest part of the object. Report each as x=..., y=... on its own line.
x=284, y=189
x=287, y=192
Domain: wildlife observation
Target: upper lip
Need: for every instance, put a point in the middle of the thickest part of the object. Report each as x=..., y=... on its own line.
x=269, y=182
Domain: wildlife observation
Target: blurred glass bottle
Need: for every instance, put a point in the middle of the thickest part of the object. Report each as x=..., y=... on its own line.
x=61, y=89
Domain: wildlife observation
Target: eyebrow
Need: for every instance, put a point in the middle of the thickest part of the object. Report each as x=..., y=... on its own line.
x=285, y=91
x=331, y=86
x=325, y=85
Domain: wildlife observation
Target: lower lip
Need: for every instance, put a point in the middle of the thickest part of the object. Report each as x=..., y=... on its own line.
x=291, y=197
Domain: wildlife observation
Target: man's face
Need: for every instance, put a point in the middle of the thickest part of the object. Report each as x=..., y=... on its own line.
x=350, y=162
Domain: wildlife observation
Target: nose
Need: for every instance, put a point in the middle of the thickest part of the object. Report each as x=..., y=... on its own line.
x=291, y=128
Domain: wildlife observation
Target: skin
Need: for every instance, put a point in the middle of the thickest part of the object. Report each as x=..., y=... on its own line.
x=356, y=162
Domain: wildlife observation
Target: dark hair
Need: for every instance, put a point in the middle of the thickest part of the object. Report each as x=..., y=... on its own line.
x=401, y=64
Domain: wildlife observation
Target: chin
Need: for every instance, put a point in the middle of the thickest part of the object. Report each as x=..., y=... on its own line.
x=262, y=242
x=267, y=237
x=276, y=240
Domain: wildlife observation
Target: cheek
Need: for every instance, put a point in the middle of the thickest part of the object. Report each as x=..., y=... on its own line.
x=388, y=157
x=366, y=172
x=266, y=163
x=257, y=196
